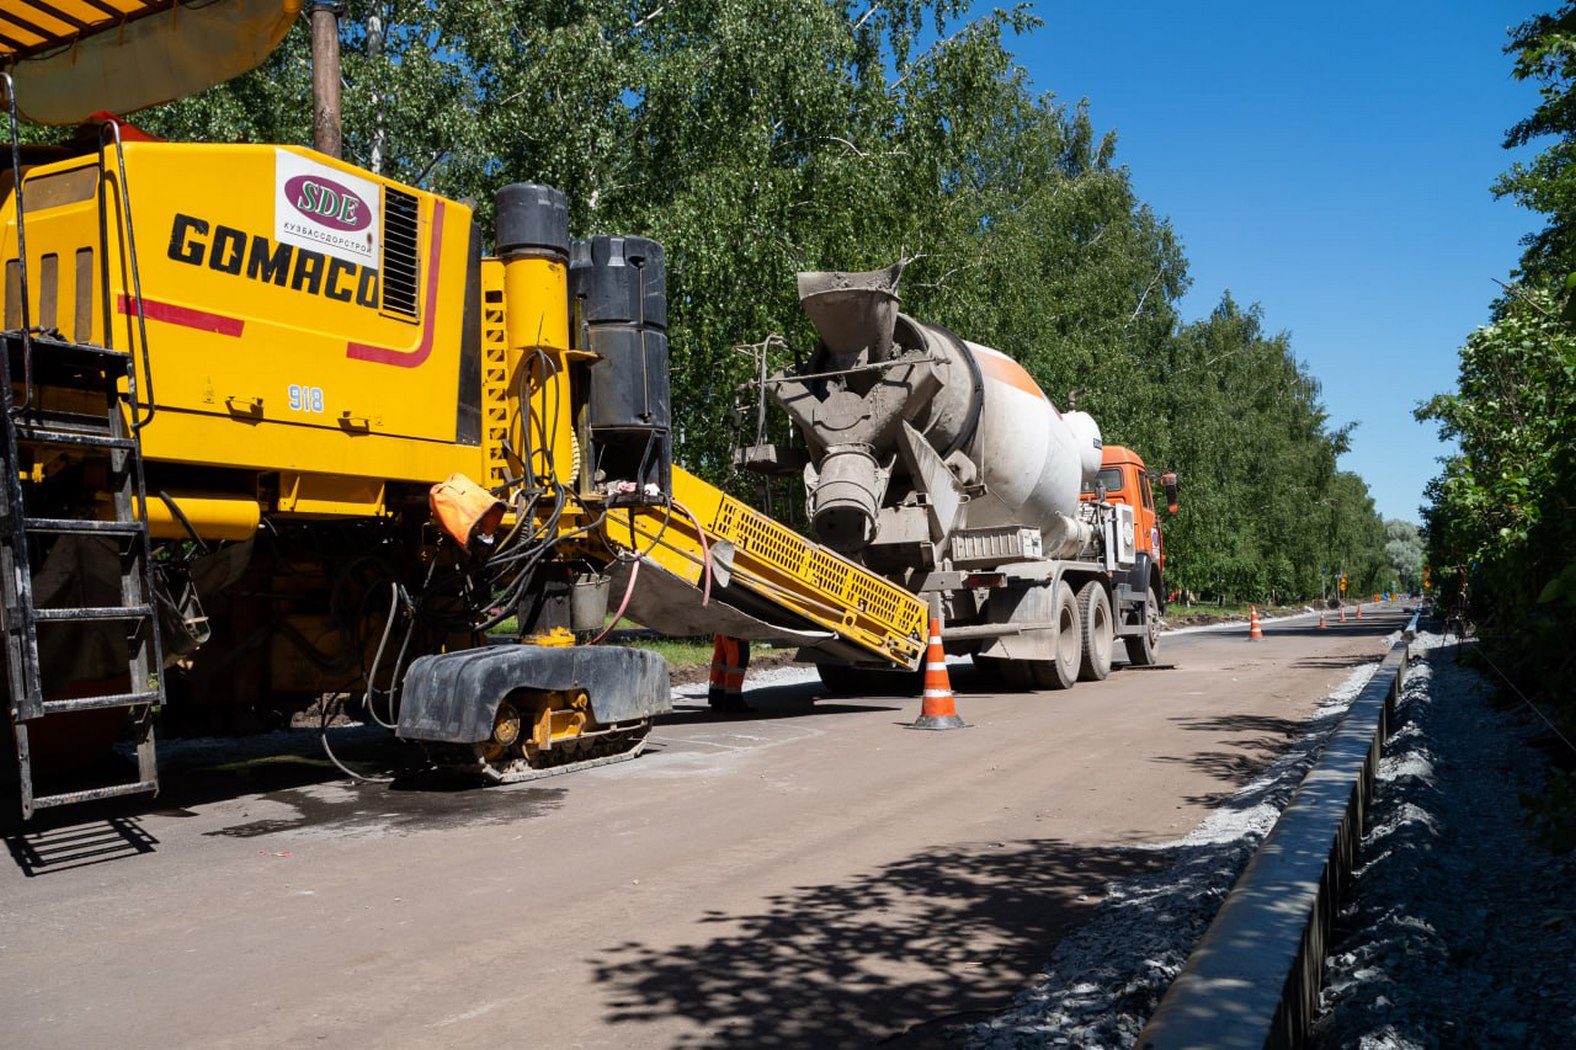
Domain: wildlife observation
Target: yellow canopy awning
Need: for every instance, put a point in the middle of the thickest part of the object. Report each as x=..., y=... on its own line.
x=72, y=58
x=29, y=28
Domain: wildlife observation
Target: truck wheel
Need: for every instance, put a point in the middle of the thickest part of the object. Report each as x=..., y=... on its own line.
x=1099, y=636
x=1141, y=647
x=1066, y=641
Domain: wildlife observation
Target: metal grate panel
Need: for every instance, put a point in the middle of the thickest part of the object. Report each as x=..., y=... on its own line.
x=401, y=254
x=847, y=584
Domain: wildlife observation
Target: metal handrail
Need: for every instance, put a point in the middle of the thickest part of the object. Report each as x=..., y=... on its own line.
x=21, y=245
x=111, y=129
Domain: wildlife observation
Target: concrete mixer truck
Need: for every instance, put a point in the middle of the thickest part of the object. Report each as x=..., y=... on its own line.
x=940, y=464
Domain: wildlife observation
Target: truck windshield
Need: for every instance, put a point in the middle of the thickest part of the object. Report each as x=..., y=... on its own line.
x=1111, y=478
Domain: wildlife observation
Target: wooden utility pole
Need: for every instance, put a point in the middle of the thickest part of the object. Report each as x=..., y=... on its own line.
x=327, y=136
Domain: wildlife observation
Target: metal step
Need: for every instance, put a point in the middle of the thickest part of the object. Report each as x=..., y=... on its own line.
x=71, y=798
x=79, y=353
x=60, y=419
x=81, y=525
x=81, y=438
x=94, y=703
x=95, y=612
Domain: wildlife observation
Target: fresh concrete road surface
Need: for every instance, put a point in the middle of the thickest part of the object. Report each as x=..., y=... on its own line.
x=812, y=875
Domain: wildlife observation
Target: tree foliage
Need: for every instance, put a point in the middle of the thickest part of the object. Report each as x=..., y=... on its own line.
x=1267, y=511
x=1544, y=48
x=756, y=138
x=1503, y=507
x=1404, y=548
x=1500, y=524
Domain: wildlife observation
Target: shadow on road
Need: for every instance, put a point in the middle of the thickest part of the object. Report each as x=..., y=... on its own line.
x=767, y=702
x=895, y=954
x=286, y=773
x=79, y=846
x=1286, y=728
x=1337, y=663
x=1233, y=767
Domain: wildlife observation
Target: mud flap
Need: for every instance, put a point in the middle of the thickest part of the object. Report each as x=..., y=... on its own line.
x=452, y=697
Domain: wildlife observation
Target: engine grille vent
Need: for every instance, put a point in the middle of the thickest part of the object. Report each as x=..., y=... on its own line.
x=401, y=254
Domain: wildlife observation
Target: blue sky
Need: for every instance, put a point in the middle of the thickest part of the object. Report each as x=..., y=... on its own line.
x=1330, y=162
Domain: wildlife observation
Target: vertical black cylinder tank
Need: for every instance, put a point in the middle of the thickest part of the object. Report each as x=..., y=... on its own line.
x=618, y=287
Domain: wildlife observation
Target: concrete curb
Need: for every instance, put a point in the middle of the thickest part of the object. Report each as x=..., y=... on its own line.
x=1254, y=978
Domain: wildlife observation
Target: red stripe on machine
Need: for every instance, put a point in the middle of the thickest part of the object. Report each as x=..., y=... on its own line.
x=415, y=355
x=185, y=316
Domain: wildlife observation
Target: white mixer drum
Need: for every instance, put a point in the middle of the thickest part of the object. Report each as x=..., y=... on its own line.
x=1032, y=459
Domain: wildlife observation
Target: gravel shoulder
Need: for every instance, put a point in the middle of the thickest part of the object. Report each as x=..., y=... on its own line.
x=1461, y=929
x=1106, y=977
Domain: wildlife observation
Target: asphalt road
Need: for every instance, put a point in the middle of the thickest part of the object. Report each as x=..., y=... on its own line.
x=811, y=875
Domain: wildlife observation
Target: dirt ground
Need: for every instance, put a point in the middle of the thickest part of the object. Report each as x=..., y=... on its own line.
x=812, y=874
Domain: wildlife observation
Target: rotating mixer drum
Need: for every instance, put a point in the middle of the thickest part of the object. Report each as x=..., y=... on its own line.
x=879, y=377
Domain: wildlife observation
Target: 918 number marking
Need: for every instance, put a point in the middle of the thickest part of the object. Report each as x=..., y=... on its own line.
x=306, y=398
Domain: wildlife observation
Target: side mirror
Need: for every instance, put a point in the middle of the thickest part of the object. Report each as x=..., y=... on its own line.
x=1168, y=482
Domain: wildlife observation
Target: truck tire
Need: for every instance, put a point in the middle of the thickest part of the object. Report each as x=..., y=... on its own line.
x=1141, y=647
x=1066, y=641
x=1098, y=632
x=843, y=680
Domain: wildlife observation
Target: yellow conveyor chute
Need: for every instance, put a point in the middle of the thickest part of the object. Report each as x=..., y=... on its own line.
x=768, y=582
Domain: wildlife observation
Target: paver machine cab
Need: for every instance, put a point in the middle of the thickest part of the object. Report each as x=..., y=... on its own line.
x=276, y=426
x=940, y=464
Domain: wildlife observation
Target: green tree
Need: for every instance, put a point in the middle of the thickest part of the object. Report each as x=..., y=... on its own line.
x=1545, y=53
x=1266, y=511
x=1504, y=504
x=1404, y=549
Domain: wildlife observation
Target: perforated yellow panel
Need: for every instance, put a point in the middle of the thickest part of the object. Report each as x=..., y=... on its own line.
x=790, y=570
x=496, y=409
x=753, y=532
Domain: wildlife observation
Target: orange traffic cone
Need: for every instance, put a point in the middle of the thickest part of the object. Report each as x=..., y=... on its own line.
x=1255, y=629
x=1321, y=621
x=937, y=710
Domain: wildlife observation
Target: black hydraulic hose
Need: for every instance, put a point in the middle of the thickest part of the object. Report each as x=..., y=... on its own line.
x=377, y=661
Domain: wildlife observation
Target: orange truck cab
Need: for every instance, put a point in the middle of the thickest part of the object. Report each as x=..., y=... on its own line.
x=1123, y=478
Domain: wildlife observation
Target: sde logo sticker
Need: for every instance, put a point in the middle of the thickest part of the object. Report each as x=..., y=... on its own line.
x=327, y=203
x=326, y=210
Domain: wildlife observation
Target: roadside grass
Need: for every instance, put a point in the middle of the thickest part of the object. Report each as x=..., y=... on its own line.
x=1232, y=610
x=678, y=652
